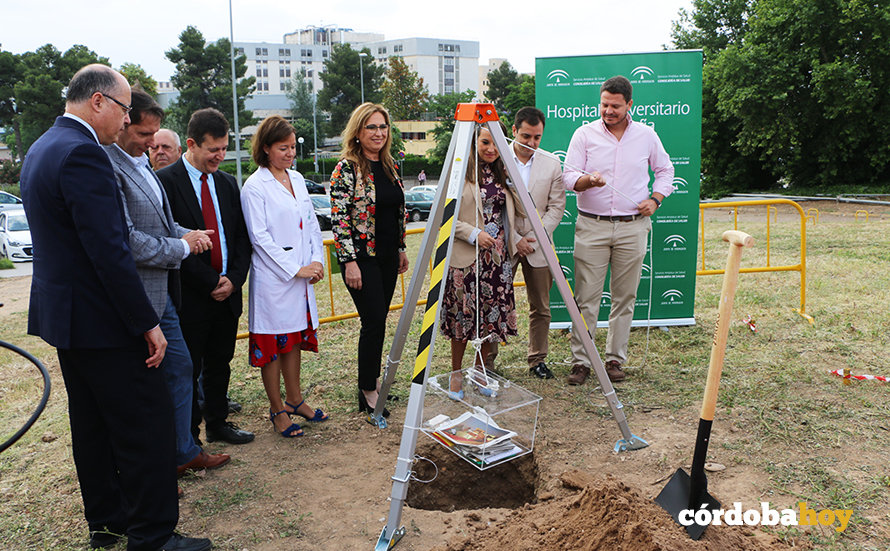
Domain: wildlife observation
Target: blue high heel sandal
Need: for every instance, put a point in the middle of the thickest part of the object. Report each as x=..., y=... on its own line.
x=317, y=418
x=293, y=431
x=456, y=394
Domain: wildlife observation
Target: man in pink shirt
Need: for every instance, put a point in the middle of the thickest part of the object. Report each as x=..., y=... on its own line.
x=607, y=165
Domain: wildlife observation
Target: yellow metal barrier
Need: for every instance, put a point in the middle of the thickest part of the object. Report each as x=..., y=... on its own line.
x=814, y=216
x=328, y=243
x=800, y=267
x=858, y=212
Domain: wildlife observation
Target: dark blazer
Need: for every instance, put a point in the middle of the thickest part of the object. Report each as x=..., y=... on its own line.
x=85, y=292
x=199, y=279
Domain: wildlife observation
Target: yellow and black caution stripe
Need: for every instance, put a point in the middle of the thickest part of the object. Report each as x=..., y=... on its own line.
x=437, y=276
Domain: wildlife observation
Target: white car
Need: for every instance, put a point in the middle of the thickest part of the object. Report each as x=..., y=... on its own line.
x=322, y=205
x=9, y=201
x=425, y=187
x=15, y=236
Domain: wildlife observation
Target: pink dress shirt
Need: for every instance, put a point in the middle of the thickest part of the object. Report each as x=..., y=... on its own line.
x=624, y=164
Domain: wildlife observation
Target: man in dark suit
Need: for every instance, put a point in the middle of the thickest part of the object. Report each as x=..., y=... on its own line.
x=88, y=302
x=203, y=197
x=159, y=245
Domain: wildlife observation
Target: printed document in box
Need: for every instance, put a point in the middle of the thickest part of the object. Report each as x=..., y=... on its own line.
x=471, y=430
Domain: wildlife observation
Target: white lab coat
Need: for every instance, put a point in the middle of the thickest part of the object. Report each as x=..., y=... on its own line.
x=278, y=299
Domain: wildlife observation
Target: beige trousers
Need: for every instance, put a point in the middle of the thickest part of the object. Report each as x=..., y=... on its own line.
x=600, y=244
x=537, y=286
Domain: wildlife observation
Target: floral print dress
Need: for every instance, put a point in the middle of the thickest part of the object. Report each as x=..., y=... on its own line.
x=494, y=274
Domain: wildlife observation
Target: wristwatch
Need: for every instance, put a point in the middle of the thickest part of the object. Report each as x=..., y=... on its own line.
x=657, y=202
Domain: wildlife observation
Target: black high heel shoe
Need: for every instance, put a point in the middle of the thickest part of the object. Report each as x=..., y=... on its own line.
x=364, y=407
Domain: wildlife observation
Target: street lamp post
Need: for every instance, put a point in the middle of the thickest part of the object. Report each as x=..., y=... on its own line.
x=361, y=71
x=315, y=130
x=314, y=124
x=300, y=140
x=235, y=96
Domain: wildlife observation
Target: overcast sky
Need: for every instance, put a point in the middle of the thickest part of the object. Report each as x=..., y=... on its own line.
x=140, y=32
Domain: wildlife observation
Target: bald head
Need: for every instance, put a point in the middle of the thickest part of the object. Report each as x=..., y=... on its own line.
x=101, y=97
x=167, y=149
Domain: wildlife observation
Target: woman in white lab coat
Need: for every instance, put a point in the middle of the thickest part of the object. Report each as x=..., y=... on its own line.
x=287, y=261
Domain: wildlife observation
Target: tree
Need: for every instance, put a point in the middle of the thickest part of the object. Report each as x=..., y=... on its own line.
x=712, y=26
x=444, y=106
x=134, y=73
x=10, y=73
x=300, y=93
x=204, y=79
x=404, y=93
x=828, y=82
x=44, y=73
x=805, y=98
x=342, y=84
x=397, y=147
x=500, y=83
x=519, y=96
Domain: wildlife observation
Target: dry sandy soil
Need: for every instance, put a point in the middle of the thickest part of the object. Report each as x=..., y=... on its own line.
x=329, y=490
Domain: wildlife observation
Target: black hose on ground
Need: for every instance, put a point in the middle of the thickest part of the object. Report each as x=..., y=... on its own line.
x=43, y=400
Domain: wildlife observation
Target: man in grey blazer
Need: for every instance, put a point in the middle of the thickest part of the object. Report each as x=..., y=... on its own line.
x=159, y=245
x=543, y=177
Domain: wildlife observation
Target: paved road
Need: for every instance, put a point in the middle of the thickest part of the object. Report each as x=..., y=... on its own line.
x=20, y=269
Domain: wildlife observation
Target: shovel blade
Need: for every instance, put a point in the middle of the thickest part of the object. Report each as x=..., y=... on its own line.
x=675, y=498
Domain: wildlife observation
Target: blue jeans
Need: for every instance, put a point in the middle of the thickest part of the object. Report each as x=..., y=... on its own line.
x=177, y=367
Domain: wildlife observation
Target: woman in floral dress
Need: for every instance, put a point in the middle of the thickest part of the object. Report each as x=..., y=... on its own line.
x=487, y=218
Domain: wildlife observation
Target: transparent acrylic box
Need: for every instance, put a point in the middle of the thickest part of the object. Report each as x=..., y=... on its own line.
x=495, y=421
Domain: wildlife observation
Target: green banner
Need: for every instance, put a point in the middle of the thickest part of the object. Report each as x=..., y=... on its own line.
x=666, y=96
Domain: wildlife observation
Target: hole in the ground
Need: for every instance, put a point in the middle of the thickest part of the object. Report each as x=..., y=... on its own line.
x=459, y=485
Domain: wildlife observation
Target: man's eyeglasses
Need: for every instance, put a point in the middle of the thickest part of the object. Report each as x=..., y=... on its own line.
x=376, y=127
x=125, y=107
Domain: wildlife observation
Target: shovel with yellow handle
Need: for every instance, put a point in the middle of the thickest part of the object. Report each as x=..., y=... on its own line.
x=689, y=492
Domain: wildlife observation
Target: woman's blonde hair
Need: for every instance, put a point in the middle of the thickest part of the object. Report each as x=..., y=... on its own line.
x=352, y=149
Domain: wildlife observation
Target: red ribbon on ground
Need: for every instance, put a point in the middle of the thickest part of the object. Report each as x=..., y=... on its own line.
x=840, y=373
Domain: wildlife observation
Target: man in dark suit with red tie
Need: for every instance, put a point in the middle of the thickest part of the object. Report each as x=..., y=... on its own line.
x=88, y=301
x=201, y=196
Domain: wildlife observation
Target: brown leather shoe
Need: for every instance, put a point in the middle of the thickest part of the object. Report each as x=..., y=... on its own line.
x=614, y=371
x=204, y=460
x=578, y=375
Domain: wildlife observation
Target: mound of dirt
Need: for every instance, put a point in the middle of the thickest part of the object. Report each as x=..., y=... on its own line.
x=600, y=514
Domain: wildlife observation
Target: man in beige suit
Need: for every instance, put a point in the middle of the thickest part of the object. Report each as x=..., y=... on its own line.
x=542, y=176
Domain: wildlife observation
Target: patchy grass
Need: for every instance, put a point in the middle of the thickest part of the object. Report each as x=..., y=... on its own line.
x=813, y=438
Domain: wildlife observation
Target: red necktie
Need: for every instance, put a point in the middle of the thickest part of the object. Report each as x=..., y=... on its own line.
x=209, y=214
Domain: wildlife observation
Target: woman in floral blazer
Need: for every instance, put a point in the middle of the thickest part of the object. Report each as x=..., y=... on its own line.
x=368, y=216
